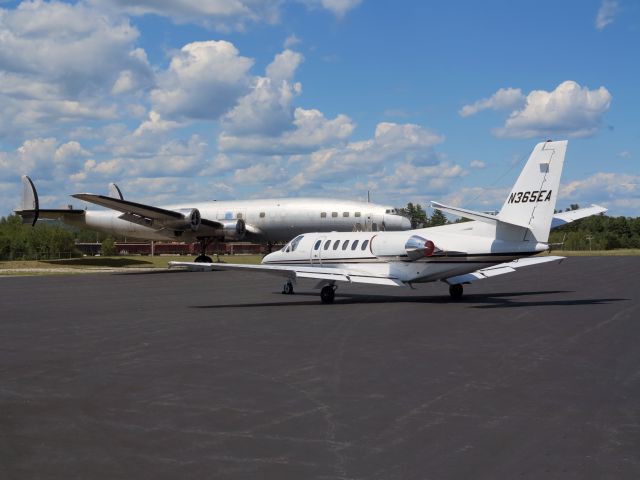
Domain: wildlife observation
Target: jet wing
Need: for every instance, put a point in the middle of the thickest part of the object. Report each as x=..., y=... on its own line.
x=319, y=273
x=501, y=269
x=572, y=215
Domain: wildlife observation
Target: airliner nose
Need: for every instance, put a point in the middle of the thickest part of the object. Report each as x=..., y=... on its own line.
x=405, y=223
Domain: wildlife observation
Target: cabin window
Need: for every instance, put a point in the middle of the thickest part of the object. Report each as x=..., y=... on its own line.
x=334, y=214
x=262, y=214
x=326, y=244
x=295, y=242
x=345, y=214
x=364, y=245
x=317, y=245
x=239, y=216
x=355, y=245
x=387, y=210
x=357, y=214
x=345, y=244
x=323, y=214
x=335, y=244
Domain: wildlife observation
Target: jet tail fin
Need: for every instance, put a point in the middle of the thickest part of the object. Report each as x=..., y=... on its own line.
x=532, y=199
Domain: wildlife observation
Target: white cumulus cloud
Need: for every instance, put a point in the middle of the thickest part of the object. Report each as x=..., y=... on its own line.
x=204, y=80
x=503, y=99
x=569, y=110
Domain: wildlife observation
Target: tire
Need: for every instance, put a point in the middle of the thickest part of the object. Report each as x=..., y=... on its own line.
x=203, y=259
x=456, y=291
x=327, y=294
x=287, y=289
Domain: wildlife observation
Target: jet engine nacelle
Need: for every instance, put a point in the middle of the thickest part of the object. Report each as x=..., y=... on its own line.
x=233, y=229
x=191, y=219
x=391, y=246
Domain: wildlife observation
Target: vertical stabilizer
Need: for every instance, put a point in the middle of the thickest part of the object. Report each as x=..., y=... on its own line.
x=30, y=205
x=115, y=192
x=532, y=199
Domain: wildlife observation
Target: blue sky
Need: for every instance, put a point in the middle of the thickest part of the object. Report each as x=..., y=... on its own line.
x=188, y=100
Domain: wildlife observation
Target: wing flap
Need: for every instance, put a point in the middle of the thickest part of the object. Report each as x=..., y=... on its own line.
x=501, y=269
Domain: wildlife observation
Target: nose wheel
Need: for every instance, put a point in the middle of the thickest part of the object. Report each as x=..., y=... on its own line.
x=287, y=288
x=328, y=294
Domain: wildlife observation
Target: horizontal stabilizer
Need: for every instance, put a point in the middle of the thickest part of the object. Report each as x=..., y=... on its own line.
x=501, y=269
x=563, y=218
x=472, y=215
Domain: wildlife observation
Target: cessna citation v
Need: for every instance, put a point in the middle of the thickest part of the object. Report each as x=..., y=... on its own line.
x=457, y=254
x=267, y=220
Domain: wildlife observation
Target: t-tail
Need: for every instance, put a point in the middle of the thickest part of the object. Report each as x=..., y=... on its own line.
x=527, y=212
x=532, y=200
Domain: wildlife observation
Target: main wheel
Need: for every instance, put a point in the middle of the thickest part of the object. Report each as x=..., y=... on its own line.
x=287, y=289
x=203, y=259
x=327, y=294
x=456, y=291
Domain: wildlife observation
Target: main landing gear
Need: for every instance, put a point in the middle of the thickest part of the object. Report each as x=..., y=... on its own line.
x=203, y=257
x=456, y=291
x=328, y=294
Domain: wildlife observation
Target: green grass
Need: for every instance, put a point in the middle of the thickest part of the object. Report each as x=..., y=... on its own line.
x=92, y=263
x=622, y=252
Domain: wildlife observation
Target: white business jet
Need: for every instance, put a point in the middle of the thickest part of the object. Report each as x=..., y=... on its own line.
x=263, y=221
x=459, y=253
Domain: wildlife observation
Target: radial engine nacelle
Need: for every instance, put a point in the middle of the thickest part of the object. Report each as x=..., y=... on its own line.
x=400, y=247
x=233, y=229
x=191, y=218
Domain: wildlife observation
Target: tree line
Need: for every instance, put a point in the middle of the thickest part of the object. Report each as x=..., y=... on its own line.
x=46, y=240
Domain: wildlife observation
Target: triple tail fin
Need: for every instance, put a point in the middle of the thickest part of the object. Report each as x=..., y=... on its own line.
x=532, y=200
x=30, y=206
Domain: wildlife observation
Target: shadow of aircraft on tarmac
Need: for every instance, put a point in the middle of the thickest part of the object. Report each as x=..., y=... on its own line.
x=492, y=300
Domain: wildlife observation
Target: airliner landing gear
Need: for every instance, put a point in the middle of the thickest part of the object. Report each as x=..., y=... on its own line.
x=456, y=291
x=287, y=289
x=328, y=293
x=203, y=257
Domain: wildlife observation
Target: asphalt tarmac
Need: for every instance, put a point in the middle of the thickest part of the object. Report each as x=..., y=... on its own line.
x=216, y=375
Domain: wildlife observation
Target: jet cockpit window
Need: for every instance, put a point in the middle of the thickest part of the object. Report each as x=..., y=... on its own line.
x=295, y=242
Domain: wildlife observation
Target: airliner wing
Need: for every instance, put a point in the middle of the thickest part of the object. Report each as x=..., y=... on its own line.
x=149, y=215
x=501, y=269
x=319, y=273
x=572, y=215
x=127, y=206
